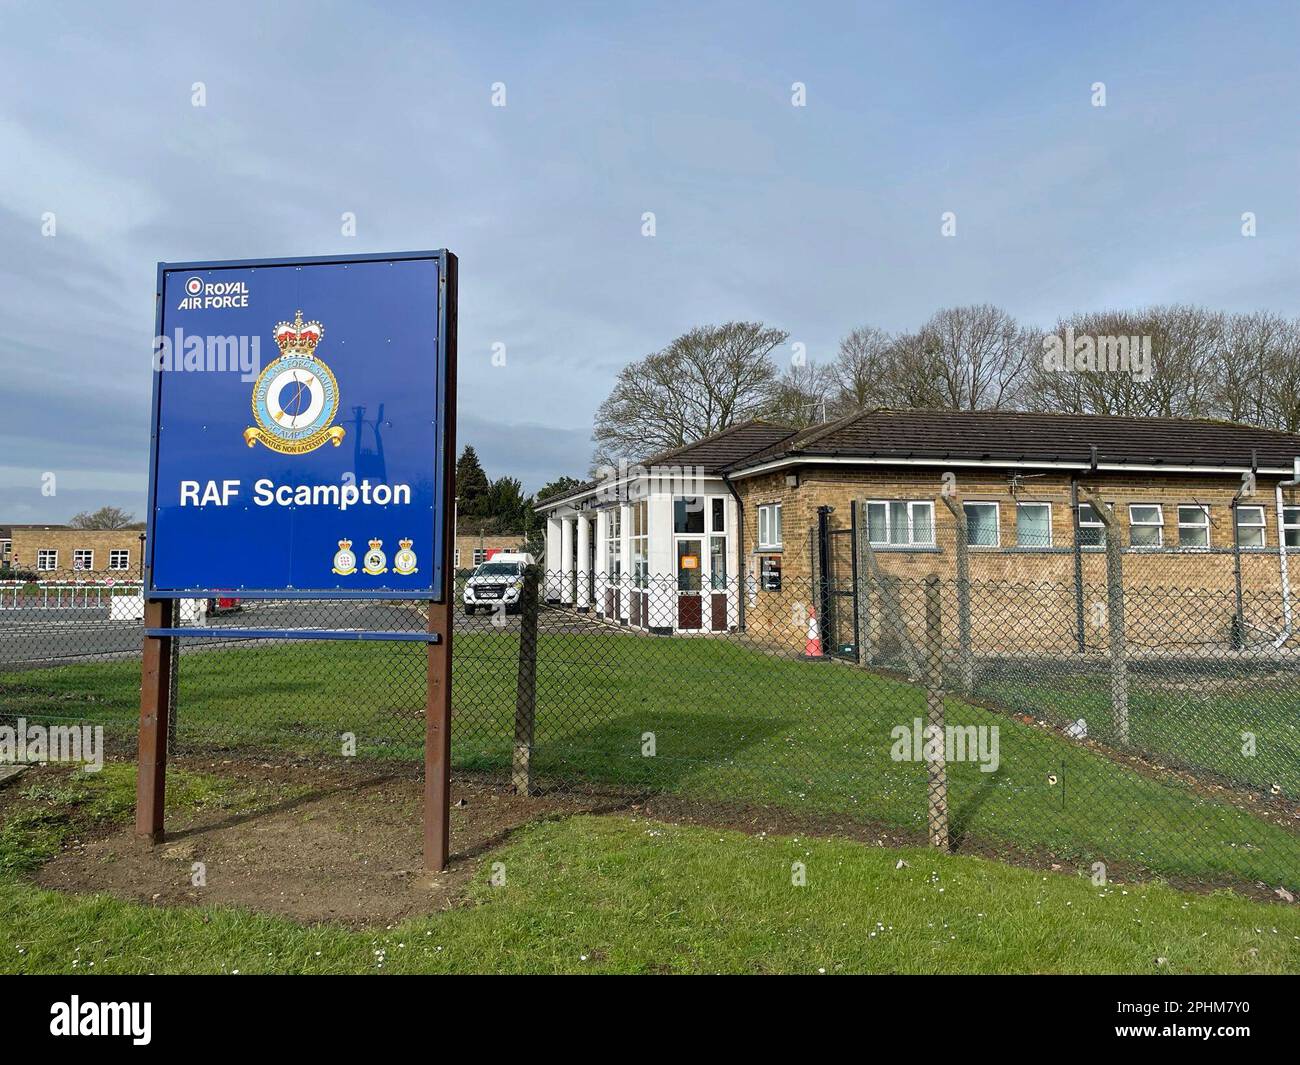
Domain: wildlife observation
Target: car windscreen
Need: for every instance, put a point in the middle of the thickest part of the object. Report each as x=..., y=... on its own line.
x=498, y=569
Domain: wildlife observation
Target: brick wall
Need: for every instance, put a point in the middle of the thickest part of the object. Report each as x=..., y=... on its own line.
x=28, y=542
x=1043, y=602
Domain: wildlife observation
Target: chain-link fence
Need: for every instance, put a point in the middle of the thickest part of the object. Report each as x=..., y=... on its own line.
x=984, y=716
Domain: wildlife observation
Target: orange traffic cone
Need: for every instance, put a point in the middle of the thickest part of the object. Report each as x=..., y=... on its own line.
x=812, y=648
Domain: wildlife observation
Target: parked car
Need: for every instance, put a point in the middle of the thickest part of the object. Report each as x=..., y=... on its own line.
x=496, y=581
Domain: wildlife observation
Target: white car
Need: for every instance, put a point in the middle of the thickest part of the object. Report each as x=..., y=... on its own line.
x=498, y=580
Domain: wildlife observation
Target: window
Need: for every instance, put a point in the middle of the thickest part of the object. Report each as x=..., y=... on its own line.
x=613, y=543
x=718, y=542
x=688, y=514
x=1193, y=526
x=480, y=555
x=718, y=512
x=899, y=523
x=981, y=524
x=1250, y=527
x=769, y=527
x=1146, y=522
x=1092, y=533
x=47, y=560
x=1033, y=524
x=638, y=544
x=455, y=561
x=119, y=559
x=6, y=546
x=1291, y=526
x=82, y=558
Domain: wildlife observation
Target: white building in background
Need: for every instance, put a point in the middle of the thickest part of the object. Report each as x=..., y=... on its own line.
x=655, y=545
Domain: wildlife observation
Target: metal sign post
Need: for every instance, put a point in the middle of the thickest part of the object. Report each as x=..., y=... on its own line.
x=302, y=447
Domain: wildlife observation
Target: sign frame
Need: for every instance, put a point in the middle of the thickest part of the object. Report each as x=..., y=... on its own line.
x=444, y=458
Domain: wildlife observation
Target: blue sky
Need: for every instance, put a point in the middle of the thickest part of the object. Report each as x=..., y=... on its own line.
x=814, y=219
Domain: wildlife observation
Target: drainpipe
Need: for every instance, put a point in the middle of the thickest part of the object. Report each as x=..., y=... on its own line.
x=740, y=553
x=1281, y=552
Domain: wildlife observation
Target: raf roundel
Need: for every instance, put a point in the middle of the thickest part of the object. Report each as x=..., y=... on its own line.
x=295, y=397
x=193, y=286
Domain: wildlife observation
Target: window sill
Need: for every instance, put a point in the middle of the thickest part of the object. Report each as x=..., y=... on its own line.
x=919, y=549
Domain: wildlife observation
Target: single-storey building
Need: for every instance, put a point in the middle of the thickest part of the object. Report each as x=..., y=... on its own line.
x=712, y=536
x=474, y=548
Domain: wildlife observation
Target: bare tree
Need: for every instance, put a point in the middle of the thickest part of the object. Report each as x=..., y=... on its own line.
x=860, y=371
x=706, y=380
x=103, y=518
x=803, y=395
x=979, y=355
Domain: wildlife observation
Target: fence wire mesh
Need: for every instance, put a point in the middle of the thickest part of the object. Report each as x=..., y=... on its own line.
x=988, y=716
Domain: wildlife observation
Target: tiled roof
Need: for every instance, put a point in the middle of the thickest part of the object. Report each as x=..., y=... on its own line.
x=710, y=455
x=1029, y=437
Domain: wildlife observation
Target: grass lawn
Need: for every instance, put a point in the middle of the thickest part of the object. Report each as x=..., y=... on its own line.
x=728, y=722
x=618, y=894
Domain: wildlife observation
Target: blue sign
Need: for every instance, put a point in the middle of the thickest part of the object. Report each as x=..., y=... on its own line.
x=300, y=415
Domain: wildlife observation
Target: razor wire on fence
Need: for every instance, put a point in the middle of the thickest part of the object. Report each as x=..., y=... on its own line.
x=988, y=716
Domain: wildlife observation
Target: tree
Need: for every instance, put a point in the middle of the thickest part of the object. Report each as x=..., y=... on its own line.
x=802, y=396
x=706, y=380
x=860, y=371
x=507, y=506
x=557, y=487
x=103, y=518
x=979, y=355
x=472, y=484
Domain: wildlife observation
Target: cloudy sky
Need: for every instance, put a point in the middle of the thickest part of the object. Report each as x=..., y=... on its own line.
x=815, y=219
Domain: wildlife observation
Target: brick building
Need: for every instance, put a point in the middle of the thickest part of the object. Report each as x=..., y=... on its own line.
x=62, y=553
x=473, y=548
x=1196, y=500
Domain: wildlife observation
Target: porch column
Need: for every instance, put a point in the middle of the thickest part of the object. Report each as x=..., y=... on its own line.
x=554, y=554
x=624, y=558
x=566, y=559
x=662, y=564
x=600, y=579
x=584, y=561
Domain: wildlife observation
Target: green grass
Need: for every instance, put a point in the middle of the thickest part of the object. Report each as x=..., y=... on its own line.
x=728, y=721
x=619, y=895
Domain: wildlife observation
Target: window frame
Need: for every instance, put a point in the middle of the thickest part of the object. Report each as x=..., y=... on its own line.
x=1262, y=526
x=997, y=523
x=888, y=543
x=1291, y=526
x=1159, y=526
x=1051, y=535
x=768, y=510
x=43, y=567
x=113, y=560
x=89, y=564
x=1095, y=523
x=1204, y=510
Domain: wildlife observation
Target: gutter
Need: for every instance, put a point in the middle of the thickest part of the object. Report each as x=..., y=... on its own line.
x=1287, y=620
x=998, y=463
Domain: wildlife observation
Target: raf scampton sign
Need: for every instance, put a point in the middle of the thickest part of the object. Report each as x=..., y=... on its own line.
x=299, y=427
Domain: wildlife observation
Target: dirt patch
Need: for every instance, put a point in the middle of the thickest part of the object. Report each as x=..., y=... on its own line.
x=346, y=847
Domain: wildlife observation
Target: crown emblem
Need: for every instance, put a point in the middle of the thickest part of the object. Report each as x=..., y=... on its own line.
x=298, y=337
x=345, y=544
x=375, y=545
x=405, y=545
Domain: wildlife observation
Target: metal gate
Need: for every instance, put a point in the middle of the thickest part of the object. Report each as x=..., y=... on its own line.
x=836, y=584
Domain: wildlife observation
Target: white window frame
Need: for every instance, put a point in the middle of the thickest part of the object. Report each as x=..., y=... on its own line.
x=1290, y=524
x=1050, y=534
x=613, y=543
x=89, y=562
x=912, y=542
x=766, y=513
x=1094, y=523
x=455, y=560
x=47, y=559
x=1159, y=526
x=119, y=564
x=1261, y=525
x=479, y=556
x=1203, y=525
x=997, y=523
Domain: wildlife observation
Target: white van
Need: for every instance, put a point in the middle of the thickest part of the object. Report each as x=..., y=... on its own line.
x=498, y=580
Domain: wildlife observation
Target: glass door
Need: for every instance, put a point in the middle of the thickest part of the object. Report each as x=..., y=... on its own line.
x=690, y=587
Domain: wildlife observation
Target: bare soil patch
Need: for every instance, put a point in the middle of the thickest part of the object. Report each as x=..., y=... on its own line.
x=342, y=846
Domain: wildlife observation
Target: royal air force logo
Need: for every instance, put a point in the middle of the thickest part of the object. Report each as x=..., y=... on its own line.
x=375, y=562
x=295, y=397
x=345, y=561
x=404, y=560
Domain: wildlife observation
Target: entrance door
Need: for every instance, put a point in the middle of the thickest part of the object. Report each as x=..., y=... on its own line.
x=690, y=590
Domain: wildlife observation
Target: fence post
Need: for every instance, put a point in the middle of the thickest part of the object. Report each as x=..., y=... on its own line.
x=936, y=768
x=155, y=683
x=526, y=687
x=965, y=661
x=862, y=587
x=1114, y=612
